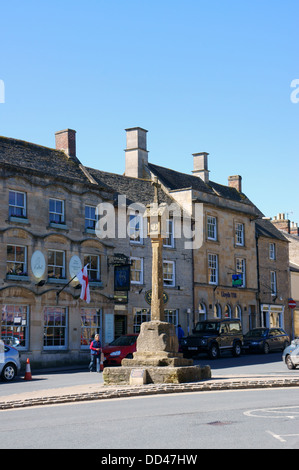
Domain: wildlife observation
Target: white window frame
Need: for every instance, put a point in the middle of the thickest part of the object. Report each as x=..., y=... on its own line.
x=213, y=268
x=55, y=212
x=87, y=261
x=273, y=283
x=212, y=227
x=135, y=271
x=272, y=251
x=65, y=327
x=23, y=208
x=168, y=277
x=12, y=328
x=168, y=242
x=63, y=275
x=239, y=234
x=171, y=316
x=140, y=315
x=136, y=234
x=89, y=218
x=14, y=262
x=241, y=269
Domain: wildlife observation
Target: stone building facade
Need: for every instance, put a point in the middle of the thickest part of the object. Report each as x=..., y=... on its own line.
x=273, y=276
x=290, y=231
x=49, y=231
x=54, y=216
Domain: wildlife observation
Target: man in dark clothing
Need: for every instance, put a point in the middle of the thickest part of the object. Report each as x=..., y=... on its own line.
x=95, y=350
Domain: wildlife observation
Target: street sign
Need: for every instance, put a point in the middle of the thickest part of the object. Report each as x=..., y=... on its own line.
x=292, y=303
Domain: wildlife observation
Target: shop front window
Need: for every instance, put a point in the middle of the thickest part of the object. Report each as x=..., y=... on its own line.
x=14, y=325
x=90, y=325
x=55, y=328
x=141, y=315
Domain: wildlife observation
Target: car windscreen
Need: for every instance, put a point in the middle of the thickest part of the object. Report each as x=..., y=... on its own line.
x=123, y=341
x=209, y=327
x=258, y=333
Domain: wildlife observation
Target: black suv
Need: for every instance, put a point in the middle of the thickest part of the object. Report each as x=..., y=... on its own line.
x=212, y=337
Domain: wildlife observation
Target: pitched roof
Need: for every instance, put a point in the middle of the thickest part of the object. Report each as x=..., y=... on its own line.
x=175, y=180
x=35, y=159
x=136, y=190
x=265, y=228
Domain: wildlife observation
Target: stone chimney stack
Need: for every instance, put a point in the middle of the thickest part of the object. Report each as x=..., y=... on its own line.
x=66, y=141
x=281, y=223
x=235, y=182
x=294, y=230
x=136, y=153
x=200, y=166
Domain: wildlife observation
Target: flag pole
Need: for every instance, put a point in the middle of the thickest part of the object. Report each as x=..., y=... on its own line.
x=59, y=292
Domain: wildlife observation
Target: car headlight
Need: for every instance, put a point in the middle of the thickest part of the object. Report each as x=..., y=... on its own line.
x=115, y=353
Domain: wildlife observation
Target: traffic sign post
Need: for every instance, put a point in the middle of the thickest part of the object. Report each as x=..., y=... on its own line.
x=292, y=303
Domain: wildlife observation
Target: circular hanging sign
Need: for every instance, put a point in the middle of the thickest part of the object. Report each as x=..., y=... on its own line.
x=75, y=266
x=38, y=264
x=148, y=297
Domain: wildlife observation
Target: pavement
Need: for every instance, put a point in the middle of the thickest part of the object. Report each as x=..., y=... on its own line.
x=99, y=391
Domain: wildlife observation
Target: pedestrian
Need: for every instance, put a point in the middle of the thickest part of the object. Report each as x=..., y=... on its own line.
x=180, y=332
x=180, y=335
x=95, y=358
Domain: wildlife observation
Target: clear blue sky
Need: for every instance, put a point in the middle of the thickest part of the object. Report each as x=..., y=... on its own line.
x=199, y=75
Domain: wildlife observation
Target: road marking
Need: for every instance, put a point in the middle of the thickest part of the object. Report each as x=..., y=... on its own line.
x=290, y=412
x=279, y=437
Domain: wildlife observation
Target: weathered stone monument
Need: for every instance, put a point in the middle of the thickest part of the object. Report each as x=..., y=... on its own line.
x=157, y=353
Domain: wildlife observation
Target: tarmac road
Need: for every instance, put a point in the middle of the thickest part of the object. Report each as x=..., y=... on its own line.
x=56, y=386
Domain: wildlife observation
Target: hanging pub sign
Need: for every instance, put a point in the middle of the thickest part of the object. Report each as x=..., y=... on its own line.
x=237, y=280
x=122, y=277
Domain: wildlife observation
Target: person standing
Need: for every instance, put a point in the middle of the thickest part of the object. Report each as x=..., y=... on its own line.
x=95, y=351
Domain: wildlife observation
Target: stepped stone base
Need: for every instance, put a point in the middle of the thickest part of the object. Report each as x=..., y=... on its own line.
x=157, y=375
x=156, y=359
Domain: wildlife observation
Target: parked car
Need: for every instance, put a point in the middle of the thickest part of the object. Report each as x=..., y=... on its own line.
x=122, y=347
x=213, y=337
x=265, y=340
x=290, y=354
x=10, y=364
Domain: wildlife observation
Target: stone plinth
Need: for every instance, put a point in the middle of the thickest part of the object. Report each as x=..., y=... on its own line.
x=157, y=375
x=157, y=345
x=157, y=356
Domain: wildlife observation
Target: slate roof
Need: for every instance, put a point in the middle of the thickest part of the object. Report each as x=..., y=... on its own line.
x=265, y=228
x=35, y=159
x=175, y=180
x=135, y=190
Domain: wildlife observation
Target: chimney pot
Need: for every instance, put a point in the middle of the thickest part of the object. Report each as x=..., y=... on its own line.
x=66, y=141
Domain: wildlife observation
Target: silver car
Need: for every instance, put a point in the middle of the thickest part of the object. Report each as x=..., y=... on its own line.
x=290, y=354
x=10, y=364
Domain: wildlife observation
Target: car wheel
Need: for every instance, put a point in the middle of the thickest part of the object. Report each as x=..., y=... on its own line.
x=237, y=350
x=129, y=356
x=266, y=348
x=9, y=372
x=214, y=352
x=289, y=362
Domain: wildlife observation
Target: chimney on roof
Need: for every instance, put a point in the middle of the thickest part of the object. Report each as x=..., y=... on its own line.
x=235, y=182
x=281, y=223
x=66, y=141
x=136, y=153
x=200, y=166
x=294, y=230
